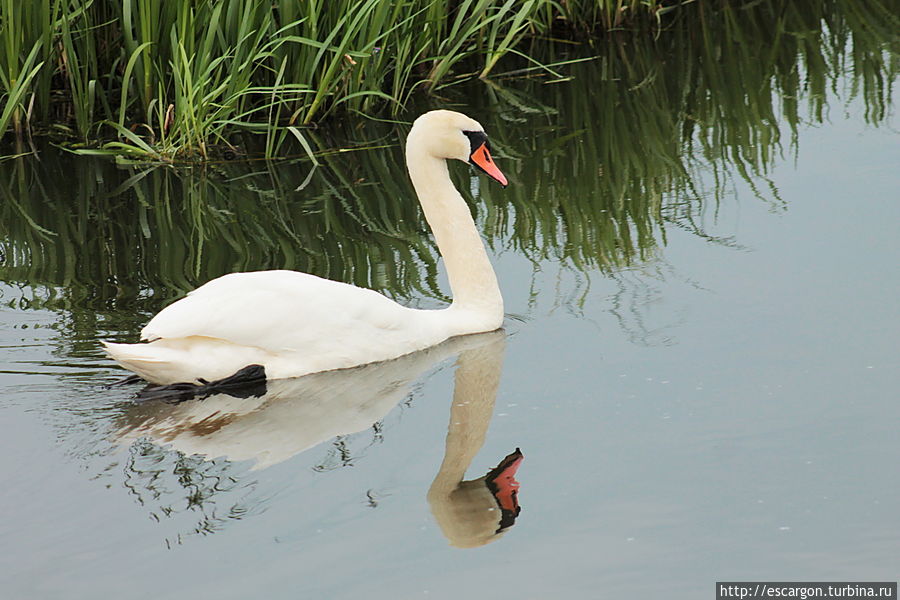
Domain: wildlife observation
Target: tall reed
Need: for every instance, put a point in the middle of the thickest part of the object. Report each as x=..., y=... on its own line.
x=182, y=78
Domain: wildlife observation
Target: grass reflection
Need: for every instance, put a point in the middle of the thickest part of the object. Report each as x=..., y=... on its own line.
x=625, y=147
x=103, y=235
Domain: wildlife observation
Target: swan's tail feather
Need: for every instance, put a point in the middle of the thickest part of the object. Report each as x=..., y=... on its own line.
x=192, y=360
x=133, y=352
x=144, y=359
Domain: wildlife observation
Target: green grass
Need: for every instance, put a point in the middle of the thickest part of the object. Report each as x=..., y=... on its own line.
x=183, y=80
x=185, y=77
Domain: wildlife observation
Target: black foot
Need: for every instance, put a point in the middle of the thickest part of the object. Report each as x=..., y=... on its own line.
x=246, y=383
x=127, y=381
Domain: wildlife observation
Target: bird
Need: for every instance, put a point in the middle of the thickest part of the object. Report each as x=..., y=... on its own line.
x=280, y=324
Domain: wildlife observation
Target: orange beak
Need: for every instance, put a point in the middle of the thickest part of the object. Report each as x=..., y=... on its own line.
x=481, y=158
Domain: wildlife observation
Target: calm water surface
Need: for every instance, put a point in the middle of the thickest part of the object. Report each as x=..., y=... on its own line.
x=699, y=365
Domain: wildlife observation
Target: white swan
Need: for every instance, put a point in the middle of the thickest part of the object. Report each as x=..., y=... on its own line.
x=293, y=323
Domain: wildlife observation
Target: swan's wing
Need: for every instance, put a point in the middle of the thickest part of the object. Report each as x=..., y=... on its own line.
x=280, y=311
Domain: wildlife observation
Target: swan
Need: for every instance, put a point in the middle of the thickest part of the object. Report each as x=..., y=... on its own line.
x=292, y=324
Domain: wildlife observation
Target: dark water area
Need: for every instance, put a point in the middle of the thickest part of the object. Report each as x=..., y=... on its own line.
x=699, y=362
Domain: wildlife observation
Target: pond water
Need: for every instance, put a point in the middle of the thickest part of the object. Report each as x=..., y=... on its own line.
x=699, y=361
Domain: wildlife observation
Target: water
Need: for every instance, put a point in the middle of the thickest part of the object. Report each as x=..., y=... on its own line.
x=699, y=362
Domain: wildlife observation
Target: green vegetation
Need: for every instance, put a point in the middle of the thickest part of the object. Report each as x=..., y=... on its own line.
x=181, y=80
x=177, y=79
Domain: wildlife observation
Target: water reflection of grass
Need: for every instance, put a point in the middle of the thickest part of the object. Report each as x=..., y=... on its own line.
x=109, y=235
x=647, y=122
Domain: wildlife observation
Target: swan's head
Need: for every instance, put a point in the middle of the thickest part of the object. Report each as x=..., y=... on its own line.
x=452, y=135
x=479, y=511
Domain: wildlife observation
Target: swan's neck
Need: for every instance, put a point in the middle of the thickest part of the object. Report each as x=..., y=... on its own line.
x=472, y=280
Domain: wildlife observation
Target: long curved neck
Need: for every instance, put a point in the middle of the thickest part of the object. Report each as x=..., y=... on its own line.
x=472, y=279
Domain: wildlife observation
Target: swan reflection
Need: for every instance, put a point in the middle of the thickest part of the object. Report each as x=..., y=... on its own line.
x=476, y=512
x=292, y=415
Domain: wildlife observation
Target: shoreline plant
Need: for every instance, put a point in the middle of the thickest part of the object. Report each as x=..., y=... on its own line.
x=161, y=80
